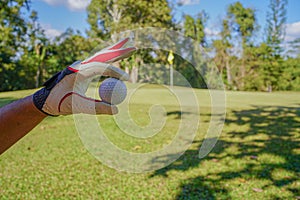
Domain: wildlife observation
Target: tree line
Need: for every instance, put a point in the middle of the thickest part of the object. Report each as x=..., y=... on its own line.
x=28, y=57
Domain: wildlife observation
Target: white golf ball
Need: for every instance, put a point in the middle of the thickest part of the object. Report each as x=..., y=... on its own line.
x=112, y=91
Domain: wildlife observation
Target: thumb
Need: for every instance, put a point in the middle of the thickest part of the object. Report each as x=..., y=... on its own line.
x=82, y=104
x=105, y=108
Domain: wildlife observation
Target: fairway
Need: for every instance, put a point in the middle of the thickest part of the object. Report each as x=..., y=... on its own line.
x=256, y=157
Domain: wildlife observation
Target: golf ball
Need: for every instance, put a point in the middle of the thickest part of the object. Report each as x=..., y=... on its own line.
x=112, y=91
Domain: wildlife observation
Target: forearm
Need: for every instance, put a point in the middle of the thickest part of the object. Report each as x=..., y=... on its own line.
x=16, y=120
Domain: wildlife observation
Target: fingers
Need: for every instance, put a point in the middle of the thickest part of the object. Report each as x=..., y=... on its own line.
x=119, y=44
x=105, y=108
x=110, y=55
x=98, y=63
x=115, y=72
x=103, y=69
x=77, y=103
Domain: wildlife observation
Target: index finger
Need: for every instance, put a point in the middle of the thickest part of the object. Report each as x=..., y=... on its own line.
x=103, y=69
x=111, y=55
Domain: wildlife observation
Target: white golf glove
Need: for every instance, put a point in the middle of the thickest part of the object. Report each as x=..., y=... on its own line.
x=64, y=93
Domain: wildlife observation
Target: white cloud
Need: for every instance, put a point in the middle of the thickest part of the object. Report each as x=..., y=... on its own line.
x=51, y=32
x=292, y=31
x=73, y=5
x=211, y=32
x=78, y=4
x=187, y=2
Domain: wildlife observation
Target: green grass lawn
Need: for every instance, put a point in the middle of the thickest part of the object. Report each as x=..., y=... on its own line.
x=256, y=157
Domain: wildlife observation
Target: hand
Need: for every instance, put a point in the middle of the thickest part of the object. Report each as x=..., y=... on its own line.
x=64, y=93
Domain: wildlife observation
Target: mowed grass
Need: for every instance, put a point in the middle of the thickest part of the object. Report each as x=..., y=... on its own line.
x=256, y=157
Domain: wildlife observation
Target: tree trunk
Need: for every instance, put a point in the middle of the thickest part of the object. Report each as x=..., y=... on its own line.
x=37, y=79
x=38, y=72
x=134, y=75
x=228, y=73
x=269, y=88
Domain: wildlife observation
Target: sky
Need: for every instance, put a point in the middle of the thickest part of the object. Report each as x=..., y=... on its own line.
x=56, y=16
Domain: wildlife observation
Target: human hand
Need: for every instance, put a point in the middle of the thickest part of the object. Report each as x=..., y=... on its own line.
x=64, y=93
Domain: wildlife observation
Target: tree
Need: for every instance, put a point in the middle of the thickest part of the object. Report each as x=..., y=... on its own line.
x=290, y=77
x=257, y=60
x=243, y=23
x=222, y=47
x=13, y=36
x=68, y=48
x=194, y=27
x=294, y=48
x=275, y=31
x=34, y=52
x=107, y=17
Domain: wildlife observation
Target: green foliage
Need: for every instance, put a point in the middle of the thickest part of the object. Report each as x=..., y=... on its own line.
x=276, y=19
x=275, y=31
x=156, y=69
x=12, y=33
x=256, y=62
x=289, y=79
x=222, y=59
x=294, y=47
x=113, y=16
x=68, y=48
x=194, y=28
x=35, y=52
x=243, y=20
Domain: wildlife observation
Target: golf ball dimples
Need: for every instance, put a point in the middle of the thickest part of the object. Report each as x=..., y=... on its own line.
x=112, y=91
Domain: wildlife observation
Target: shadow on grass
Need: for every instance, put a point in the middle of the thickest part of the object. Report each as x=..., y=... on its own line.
x=6, y=100
x=266, y=146
x=178, y=114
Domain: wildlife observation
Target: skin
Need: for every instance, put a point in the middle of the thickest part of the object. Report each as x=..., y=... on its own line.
x=16, y=120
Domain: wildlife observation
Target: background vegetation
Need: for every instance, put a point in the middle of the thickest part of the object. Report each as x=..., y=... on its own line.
x=28, y=57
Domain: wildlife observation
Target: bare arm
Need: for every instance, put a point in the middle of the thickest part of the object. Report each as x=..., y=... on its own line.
x=16, y=120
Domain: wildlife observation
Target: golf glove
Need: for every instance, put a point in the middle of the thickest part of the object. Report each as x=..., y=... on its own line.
x=64, y=93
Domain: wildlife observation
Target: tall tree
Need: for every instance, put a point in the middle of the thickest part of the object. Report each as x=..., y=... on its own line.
x=243, y=20
x=275, y=32
x=194, y=27
x=35, y=51
x=222, y=48
x=243, y=23
x=276, y=19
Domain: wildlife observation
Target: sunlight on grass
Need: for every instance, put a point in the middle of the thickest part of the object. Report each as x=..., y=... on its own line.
x=256, y=157
x=268, y=158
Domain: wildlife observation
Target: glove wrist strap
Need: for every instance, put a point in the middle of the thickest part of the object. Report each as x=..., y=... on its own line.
x=39, y=99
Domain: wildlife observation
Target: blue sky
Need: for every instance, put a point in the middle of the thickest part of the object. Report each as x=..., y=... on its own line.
x=57, y=15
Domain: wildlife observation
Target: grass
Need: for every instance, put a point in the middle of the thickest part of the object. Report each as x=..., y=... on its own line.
x=256, y=157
